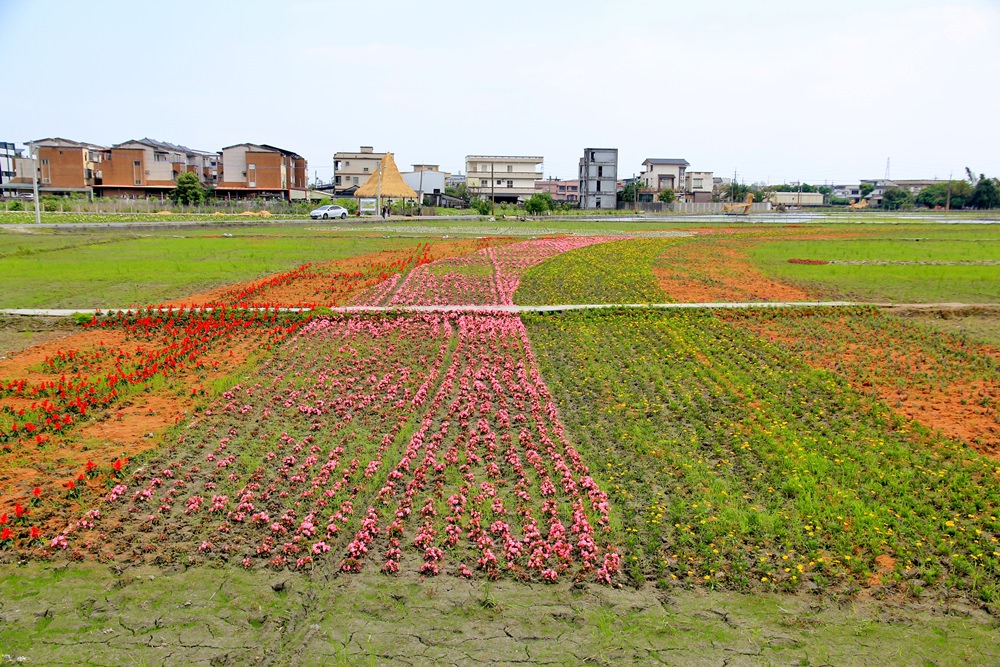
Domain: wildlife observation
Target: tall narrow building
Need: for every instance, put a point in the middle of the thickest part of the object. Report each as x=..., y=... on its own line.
x=599, y=178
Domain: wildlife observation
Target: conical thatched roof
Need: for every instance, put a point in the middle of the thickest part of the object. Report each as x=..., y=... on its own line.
x=392, y=184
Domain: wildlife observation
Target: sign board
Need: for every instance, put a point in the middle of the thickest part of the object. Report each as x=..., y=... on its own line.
x=368, y=205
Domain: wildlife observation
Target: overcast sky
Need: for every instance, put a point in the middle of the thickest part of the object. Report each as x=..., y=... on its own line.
x=775, y=91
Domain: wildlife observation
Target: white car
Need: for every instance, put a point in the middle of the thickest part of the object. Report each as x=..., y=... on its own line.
x=328, y=211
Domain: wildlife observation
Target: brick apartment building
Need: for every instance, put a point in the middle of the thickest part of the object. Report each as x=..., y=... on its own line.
x=147, y=168
x=262, y=171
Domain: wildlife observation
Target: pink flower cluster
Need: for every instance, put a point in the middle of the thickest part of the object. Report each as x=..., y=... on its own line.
x=418, y=442
x=487, y=277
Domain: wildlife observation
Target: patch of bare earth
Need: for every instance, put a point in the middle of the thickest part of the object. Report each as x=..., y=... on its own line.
x=701, y=272
x=964, y=408
x=128, y=428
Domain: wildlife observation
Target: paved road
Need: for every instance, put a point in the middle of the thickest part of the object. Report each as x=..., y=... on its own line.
x=66, y=312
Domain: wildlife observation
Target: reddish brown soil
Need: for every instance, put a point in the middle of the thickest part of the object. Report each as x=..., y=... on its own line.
x=720, y=270
x=126, y=430
x=964, y=409
x=708, y=273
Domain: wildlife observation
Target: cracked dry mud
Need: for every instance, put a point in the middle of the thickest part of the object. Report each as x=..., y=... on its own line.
x=213, y=616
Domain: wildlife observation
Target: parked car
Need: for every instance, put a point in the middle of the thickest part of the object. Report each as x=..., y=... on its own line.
x=328, y=211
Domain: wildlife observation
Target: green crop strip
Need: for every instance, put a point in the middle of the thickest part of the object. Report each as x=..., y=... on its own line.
x=615, y=272
x=731, y=463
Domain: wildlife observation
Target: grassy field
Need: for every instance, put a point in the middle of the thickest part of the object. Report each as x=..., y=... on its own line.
x=108, y=270
x=910, y=265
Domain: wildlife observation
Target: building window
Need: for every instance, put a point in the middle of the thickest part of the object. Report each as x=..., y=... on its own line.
x=600, y=172
x=355, y=180
x=597, y=202
x=592, y=156
x=510, y=184
x=366, y=170
x=510, y=168
x=698, y=183
x=598, y=188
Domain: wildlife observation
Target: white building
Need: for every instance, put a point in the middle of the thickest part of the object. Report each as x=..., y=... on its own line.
x=599, y=178
x=660, y=174
x=426, y=183
x=502, y=178
x=353, y=169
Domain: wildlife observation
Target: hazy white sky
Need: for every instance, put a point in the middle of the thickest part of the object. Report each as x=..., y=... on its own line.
x=776, y=90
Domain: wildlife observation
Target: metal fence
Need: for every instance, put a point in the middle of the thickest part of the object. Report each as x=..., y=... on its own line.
x=688, y=207
x=111, y=205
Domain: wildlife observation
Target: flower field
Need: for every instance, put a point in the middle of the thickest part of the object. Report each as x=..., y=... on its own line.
x=487, y=277
x=778, y=450
x=730, y=462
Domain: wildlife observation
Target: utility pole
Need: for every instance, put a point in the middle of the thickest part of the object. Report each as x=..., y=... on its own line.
x=34, y=182
x=493, y=193
x=947, y=201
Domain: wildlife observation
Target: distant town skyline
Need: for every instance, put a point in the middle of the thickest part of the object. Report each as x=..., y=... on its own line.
x=774, y=92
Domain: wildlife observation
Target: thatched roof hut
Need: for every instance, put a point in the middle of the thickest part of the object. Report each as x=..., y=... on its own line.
x=390, y=184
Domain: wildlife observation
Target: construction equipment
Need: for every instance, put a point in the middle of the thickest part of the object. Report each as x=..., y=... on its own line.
x=858, y=205
x=738, y=209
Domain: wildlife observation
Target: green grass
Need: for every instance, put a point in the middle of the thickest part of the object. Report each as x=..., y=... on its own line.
x=884, y=276
x=90, y=614
x=106, y=270
x=731, y=463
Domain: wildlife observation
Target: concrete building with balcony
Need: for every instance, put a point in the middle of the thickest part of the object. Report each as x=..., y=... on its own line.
x=502, y=178
x=599, y=178
x=660, y=174
x=252, y=171
x=352, y=169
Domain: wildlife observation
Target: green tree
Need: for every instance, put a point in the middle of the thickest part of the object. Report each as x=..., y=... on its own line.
x=986, y=193
x=483, y=206
x=537, y=204
x=189, y=190
x=461, y=192
x=631, y=191
x=350, y=204
x=937, y=195
x=866, y=189
x=894, y=199
x=667, y=196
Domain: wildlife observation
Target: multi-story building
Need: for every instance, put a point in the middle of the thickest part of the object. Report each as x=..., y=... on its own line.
x=698, y=186
x=262, y=171
x=502, y=178
x=8, y=153
x=143, y=168
x=64, y=167
x=660, y=174
x=599, y=178
x=559, y=190
x=351, y=170
x=846, y=191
